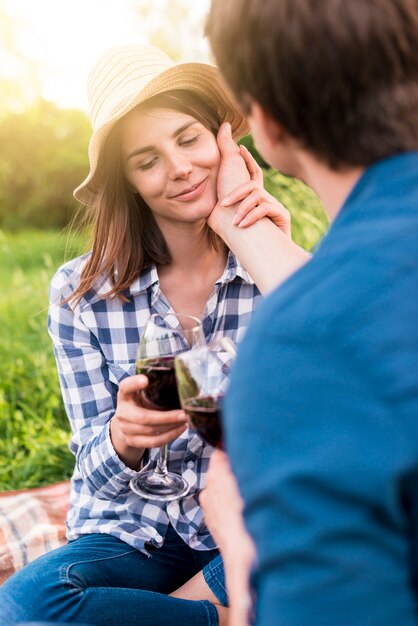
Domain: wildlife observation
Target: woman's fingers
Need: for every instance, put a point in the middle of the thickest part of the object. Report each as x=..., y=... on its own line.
x=137, y=422
x=131, y=414
x=138, y=426
x=156, y=440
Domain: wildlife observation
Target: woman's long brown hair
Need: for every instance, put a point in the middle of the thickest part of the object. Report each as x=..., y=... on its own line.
x=126, y=236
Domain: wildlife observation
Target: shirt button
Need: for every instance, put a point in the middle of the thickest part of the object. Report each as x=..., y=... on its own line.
x=190, y=464
x=158, y=538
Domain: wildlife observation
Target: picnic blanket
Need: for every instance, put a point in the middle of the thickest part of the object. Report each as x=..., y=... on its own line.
x=32, y=522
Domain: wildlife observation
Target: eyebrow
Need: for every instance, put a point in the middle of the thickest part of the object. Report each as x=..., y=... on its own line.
x=176, y=133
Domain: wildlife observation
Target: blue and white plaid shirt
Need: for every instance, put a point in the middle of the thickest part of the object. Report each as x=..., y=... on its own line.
x=95, y=344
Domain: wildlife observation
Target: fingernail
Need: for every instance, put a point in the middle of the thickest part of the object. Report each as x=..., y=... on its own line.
x=228, y=127
x=181, y=416
x=225, y=202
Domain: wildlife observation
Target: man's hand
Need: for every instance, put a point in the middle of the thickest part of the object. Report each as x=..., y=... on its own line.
x=242, y=199
x=252, y=202
x=222, y=505
x=233, y=170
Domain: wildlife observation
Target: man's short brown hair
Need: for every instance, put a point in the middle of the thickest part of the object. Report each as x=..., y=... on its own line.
x=341, y=76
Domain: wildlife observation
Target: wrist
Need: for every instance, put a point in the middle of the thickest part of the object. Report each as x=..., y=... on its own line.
x=220, y=221
x=130, y=456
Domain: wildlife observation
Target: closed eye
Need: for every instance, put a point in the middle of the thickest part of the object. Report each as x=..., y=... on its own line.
x=189, y=142
x=147, y=165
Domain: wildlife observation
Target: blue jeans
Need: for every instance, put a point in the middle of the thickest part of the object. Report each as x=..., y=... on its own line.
x=98, y=579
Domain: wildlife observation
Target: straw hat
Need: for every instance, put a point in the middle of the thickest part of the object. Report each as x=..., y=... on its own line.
x=126, y=76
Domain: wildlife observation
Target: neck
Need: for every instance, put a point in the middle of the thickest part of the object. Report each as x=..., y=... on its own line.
x=333, y=187
x=189, y=247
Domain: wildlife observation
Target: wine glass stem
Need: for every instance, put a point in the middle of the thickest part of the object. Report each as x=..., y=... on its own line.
x=161, y=468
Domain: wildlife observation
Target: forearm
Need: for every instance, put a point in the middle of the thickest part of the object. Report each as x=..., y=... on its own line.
x=237, y=564
x=265, y=251
x=102, y=471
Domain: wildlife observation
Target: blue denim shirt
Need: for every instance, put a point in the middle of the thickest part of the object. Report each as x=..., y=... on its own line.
x=323, y=408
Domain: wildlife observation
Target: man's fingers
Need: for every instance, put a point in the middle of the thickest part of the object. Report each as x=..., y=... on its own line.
x=253, y=216
x=226, y=144
x=253, y=167
x=247, y=207
x=240, y=193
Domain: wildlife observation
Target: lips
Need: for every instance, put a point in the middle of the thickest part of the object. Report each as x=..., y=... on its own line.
x=191, y=192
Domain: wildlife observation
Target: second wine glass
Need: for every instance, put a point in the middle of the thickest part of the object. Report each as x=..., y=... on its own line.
x=164, y=336
x=202, y=380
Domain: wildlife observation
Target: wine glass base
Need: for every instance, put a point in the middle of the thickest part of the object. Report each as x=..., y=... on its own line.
x=154, y=486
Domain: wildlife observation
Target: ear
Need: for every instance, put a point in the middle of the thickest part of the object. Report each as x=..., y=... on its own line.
x=273, y=132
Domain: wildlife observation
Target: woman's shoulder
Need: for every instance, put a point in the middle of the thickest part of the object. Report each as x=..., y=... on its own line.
x=67, y=277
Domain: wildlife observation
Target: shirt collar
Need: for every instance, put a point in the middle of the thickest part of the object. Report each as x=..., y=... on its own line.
x=149, y=276
x=234, y=269
x=146, y=279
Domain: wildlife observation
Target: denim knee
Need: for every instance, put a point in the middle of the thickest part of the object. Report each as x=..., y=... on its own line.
x=214, y=576
x=28, y=595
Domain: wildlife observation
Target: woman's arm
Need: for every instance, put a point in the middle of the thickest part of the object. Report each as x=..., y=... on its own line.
x=267, y=252
x=110, y=429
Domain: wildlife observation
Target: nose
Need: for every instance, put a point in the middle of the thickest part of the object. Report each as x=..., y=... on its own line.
x=179, y=166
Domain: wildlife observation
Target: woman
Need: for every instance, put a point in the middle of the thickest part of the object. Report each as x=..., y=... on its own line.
x=161, y=155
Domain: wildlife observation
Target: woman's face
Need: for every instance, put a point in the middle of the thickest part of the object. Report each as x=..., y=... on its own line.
x=172, y=161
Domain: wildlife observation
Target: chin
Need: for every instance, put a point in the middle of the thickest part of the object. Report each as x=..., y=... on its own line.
x=206, y=208
x=202, y=215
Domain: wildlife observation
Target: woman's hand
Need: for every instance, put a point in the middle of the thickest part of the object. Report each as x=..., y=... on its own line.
x=222, y=505
x=133, y=428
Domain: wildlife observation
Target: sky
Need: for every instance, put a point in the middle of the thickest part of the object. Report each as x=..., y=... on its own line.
x=48, y=46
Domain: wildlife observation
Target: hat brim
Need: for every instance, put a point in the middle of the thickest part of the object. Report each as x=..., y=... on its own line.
x=201, y=78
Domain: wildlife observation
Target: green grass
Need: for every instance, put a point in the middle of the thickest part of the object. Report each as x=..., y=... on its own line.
x=309, y=221
x=34, y=431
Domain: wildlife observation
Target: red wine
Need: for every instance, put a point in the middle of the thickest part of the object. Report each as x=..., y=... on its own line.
x=204, y=414
x=161, y=392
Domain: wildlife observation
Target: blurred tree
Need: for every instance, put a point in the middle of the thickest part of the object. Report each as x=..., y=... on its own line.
x=176, y=26
x=43, y=158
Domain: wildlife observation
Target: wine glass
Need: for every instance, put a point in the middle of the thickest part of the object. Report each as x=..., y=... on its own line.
x=202, y=379
x=164, y=336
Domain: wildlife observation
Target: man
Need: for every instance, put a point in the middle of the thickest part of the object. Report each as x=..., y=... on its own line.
x=322, y=414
